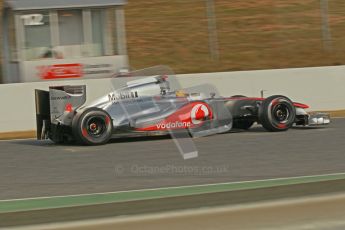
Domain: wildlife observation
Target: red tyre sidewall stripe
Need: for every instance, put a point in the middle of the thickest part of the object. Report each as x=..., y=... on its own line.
x=84, y=132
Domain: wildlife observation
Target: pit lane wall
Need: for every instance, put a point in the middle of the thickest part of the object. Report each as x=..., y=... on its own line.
x=323, y=88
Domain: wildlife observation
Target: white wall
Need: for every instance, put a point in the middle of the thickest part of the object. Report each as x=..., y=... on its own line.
x=17, y=101
x=323, y=88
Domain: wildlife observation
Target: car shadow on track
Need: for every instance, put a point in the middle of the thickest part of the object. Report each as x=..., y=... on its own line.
x=309, y=127
x=48, y=143
x=139, y=139
x=32, y=142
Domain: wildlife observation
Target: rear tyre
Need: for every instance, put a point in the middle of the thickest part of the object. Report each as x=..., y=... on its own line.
x=277, y=113
x=92, y=127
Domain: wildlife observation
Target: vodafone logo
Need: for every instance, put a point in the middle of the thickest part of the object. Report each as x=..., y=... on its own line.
x=199, y=113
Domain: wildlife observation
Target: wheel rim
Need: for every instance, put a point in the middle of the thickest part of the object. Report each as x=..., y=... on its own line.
x=281, y=113
x=96, y=126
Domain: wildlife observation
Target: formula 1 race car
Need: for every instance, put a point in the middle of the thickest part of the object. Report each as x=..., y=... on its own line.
x=148, y=106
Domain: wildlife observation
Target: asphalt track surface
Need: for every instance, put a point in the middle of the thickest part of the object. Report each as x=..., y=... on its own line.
x=30, y=168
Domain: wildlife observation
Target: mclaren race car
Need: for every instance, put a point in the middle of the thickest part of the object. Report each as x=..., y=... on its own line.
x=148, y=106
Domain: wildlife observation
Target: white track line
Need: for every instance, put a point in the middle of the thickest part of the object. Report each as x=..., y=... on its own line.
x=194, y=212
x=176, y=187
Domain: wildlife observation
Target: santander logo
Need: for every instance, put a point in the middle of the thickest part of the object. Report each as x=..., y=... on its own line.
x=199, y=113
x=59, y=71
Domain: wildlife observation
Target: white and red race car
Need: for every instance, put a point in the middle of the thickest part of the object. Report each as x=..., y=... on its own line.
x=149, y=107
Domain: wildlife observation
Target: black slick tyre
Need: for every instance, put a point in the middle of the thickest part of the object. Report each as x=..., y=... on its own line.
x=92, y=127
x=277, y=113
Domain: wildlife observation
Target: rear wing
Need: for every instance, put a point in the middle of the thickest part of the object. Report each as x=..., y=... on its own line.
x=57, y=106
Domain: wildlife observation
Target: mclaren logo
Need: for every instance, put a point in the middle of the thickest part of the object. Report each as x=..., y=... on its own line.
x=199, y=113
x=113, y=97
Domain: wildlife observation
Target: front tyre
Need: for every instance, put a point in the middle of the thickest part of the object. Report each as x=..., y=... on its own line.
x=277, y=113
x=92, y=127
